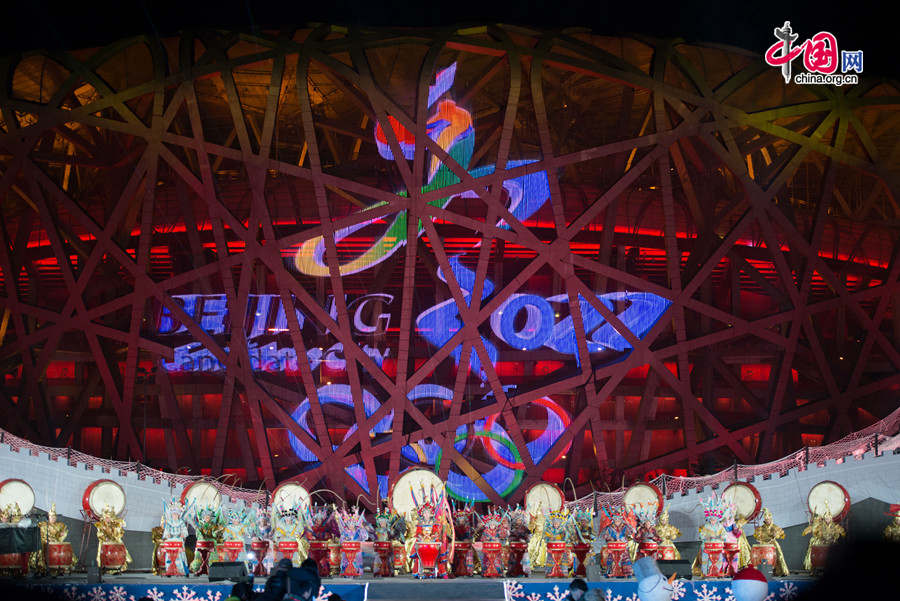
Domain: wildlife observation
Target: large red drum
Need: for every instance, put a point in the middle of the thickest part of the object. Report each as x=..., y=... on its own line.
x=14, y=563
x=580, y=550
x=231, y=550
x=399, y=558
x=172, y=549
x=384, y=548
x=648, y=549
x=818, y=555
x=59, y=556
x=260, y=548
x=556, y=550
x=667, y=552
x=714, y=567
x=831, y=496
x=462, y=565
x=491, y=567
x=731, y=550
x=350, y=549
x=644, y=496
x=286, y=549
x=428, y=552
x=318, y=552
x=112, y=556
x=517, y=550
x=745, y=498
x=101, y=493
x=204, y=548
x=761, y=554
x=616, y=551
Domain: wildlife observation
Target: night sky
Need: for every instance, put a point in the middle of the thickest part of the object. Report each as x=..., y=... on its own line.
x=31, y=24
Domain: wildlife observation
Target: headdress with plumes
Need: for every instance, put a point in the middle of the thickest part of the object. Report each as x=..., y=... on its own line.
x=716, y=507
x=52, y=510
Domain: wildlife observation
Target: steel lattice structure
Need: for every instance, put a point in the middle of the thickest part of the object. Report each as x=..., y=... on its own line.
x=697, y=263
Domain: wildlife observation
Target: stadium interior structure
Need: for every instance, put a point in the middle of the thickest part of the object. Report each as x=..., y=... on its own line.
x=268, y=257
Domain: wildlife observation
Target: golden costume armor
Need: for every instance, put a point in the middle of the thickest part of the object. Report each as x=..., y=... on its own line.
x=156, y=535
x=892, y=530
x=52, y=532
x=667, y=534
x=110, y=530
x=824, y=533
x=768, y=533
x=537, y=546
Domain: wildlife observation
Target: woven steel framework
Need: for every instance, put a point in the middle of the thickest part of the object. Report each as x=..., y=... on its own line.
x=290, y=256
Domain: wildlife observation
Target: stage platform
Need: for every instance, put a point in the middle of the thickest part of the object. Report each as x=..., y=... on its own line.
x=133, y=586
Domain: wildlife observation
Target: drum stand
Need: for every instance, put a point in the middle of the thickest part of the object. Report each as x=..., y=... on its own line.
x=86, y=528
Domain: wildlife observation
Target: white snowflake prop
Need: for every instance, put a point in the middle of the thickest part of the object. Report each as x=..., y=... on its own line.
x=97, y=594
x=679, y=589
x=512, y=590
x=117, y=593
x=707, y=594
x=788, y=591
x=185, y=594
x=556, y=595
x=155, y=594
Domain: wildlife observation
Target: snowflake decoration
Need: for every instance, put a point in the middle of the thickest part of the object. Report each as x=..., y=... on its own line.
x=609, y=596
x=770, y=597
x=97, y=594
x=211, y=597
x=185, y=594
x=679, y=589
x=556, y=595
x=512, y=590
x=71, y=593
x=533, y=597
x=117, y=593
x=788, y=591
x=729, y=595
x=154, y=594
x=707, y=594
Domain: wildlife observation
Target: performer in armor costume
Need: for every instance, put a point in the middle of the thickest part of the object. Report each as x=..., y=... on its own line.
x=465, y=522
x=388, y=527
x=667, y=534
x=712, y=531
x=492, y=528
x=209, y=526
x=323, y=530
x=289, y=524
x=156, y=537
x=432, y=524
x=537, y=545
x=518, y=533
x=236, y=529
x=617, y=525
x=110, y=530
x=892, y=530
x=767, y=533
x=353, y=527
x=734, y=533
x=262, y=533
x=580, y=536
x=175, y=530
x=825, y=532
x=645, y=531
x=52, y=532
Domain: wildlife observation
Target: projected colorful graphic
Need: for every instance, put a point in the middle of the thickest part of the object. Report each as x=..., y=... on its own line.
x=451, y=129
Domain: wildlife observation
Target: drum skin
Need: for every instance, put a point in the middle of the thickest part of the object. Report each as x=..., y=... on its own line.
x=87, y=500
x=643, y=493
x=748, y=513
x=820, y=489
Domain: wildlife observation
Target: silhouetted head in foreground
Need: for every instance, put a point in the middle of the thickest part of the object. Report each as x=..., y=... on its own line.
x=859, y=569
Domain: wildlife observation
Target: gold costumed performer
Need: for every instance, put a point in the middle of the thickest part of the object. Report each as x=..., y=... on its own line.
x=825, y=532
x=537, y=545
x=667, y=534
x=156, y=534
x=110, y=530
x=892, y=531
x=767, y=534
x=55, y=556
